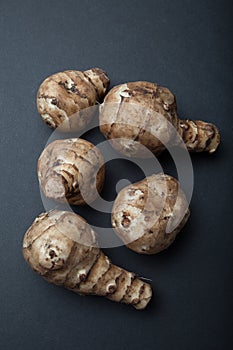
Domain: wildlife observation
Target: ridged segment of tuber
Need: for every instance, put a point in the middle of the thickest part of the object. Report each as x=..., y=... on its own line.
x=148, y=215
x=71, y=170
x=199, y=136
x=62, y=247
x=144, y=113
x=63, y=95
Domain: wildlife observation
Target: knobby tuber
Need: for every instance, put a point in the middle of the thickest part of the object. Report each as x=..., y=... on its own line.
x=144, y=112
x=148, y=215
x=63, y=95
x=62, y=247
x=71, y=170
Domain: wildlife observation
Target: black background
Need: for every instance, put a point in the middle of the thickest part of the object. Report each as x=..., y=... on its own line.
x=184, y=45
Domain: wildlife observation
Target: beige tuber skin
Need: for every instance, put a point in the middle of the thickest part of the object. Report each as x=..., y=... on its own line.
x=148, y=215
x=71, y=170
x=144, y=112
x=62, y=247
x=62, y=95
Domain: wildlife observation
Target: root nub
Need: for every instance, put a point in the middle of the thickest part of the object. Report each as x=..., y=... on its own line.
x=199, y=136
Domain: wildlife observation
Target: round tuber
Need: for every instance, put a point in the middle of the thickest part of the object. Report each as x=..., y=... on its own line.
x=148, y=215
x=71, y=170
x=62, y=247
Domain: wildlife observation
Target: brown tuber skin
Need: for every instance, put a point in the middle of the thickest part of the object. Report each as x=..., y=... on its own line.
x=139, y=111
x=62, y=95
x=71, y=170
x=62, y=247
x=148, y=215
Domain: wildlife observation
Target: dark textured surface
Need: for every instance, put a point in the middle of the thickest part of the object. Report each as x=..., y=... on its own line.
x=184, y=45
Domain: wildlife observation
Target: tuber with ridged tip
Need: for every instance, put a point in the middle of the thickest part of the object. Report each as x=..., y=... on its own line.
x=62, y=247
x=144, y=113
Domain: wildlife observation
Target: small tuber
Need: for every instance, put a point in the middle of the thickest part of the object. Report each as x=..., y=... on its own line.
x=71, y=170
x=63, y=95
x=145, y=112
x=148, y=215
x=62, y=247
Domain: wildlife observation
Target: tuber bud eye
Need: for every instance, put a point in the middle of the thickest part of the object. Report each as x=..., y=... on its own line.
x=111, y=288
x=51, y=260
x=53, y=254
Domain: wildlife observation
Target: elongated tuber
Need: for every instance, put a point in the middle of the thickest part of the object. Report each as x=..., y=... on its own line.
x=62, y=247
x=144, y=113
x=71, y=170
x=148, y=215
x=62, y=95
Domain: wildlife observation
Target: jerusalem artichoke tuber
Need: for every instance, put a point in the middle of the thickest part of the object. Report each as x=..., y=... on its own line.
x=62, y=247
x=145, y=112
x=148, y=215
x=71, y=170
x=62, y=95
